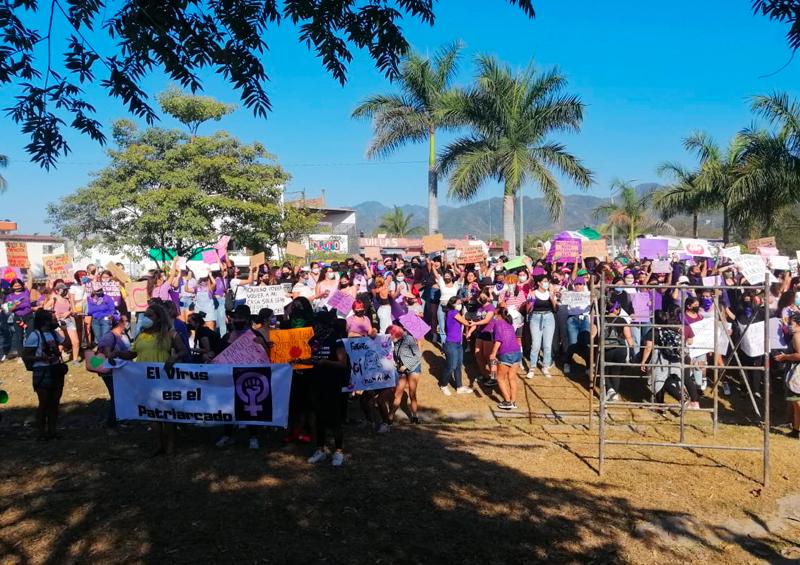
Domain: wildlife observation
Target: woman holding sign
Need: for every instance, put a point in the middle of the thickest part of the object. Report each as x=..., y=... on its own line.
x=408, y=358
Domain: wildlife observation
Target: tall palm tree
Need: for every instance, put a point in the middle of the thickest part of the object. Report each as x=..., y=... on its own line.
x=3, y=165
x=416, y=114
x=683, y=196
x=511, y=117
x=398, y=224
x=629, y=212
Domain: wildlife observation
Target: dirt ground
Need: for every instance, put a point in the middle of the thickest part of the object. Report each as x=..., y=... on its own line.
x=468, y=485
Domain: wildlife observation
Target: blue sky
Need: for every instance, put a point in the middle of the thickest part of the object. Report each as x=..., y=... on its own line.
x=649, y=74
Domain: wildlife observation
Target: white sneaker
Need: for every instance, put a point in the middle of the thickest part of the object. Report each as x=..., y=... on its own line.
x=529, y=375
x=546, y=372
x=610, y=394
x=3, y=358
x=464, y=390
x=318, y=457
x=383, y=429
x=338, y=459
x=445, y=391
x=254, y=443
x=224, y=441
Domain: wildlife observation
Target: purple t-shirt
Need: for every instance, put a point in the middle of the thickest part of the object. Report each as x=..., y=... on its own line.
x=484, y=311
x=505, y=334
x=453, y=327
x=22, y=300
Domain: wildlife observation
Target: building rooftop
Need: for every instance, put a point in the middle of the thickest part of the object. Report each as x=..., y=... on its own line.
x=30, y=238
x=315, y=204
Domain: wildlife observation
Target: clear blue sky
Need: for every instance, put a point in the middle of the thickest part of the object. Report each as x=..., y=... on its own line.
x=649, y=73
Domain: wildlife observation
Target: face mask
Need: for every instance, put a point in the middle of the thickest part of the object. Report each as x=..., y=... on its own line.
x=523, y=280
x=457, y=306
x=448, y=279
x=145, y=322
x=706, y=302
x=618, y=289
x=240, y=325
x=544, y=286
x=315, y=271
x=695, y=309
x=629, y=281
x=84, y=280
x=400, y=278
x=331, y=276
x=358, y=312
x=286, y=273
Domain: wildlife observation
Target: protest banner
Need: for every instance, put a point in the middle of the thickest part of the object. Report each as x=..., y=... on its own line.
x=211, y=257
x=295, y=249
x=573, y=299
x=753, y=339
x=371, y=363
x=137, y=296
x=414, y=325
x=752, y=268
x=696, y=248
x=433, y=243
x=451, y=255
x=779, y=262
x=246, y=350
x=117, y=273
x=703, y=340
x=731, y=253
x=57, y=266
x=341, y=301
x=472, y=254
x=203, y=395
x=754, y=244
x=566, y=249
x=372, y=253
x=768, y=251
x=653, y=248
x=642, y=306
x=257, y=260
x=597, y=248
x=272, y=297
x=17, y=254
x=661, y=267
x=291, y=345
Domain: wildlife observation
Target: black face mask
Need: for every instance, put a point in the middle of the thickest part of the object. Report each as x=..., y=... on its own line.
x=99, y=294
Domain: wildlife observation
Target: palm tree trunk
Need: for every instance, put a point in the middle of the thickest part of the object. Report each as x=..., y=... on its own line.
x=694, y=226
x=433, y=186
x=508, y=221
x=726, y=228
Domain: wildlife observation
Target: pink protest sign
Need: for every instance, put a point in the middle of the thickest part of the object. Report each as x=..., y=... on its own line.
x=341, y=301
x=641, y=306
x=210, y=257
x=653, y=248
x=222, y=247
x=414, y=325
x=246, y=350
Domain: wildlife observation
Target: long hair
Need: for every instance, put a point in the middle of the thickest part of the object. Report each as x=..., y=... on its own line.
x=162, y=324
x=504, y=315
x=300, y=308
x=451, y=304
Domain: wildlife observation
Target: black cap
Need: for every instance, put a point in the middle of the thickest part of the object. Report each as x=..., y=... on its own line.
x=241, y=311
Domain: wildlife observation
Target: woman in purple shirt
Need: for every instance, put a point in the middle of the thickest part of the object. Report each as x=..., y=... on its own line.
x=19, y=306
x=103, y=311
x=509, y=353
x=453, y=348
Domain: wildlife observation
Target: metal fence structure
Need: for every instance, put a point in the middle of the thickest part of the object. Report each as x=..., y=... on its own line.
x=727, y=361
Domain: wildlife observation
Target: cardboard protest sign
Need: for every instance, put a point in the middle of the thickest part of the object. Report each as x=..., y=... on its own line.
x=272, y=297
x=341, y=302
x=753, y=339
x=653, y=248
x=768, y=251
x=246, y=350
x=290, y=345
x=472, y=254
x=661, y=267
x=433, y=243
x=211, y=257
x=752, y=268
x=372, y=253
x=17, y=254
x=57, y=266
x=597, y=248
x=696, y=247
x=295, y=249
x=754, y=244
x=414, y=325
x=515, y=263
x=574, y=299
x=642, y=306
x=731, y=253
x=117, y=273
x=257, y=260
x=566, y=249
x=137, y=296
x=372, y=364
x=779, y=262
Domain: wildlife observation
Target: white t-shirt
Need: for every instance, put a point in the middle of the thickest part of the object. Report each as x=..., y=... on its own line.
x=448, y=292
x=34, y=340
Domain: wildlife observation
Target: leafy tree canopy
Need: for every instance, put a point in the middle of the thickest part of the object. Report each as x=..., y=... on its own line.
x=399, y=224
x=180, y=39
x=192, y=110
x=162, y=191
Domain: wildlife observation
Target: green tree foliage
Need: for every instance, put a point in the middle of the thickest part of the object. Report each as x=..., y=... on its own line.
x=683, y=196
x=47, y=51
x=629, y=212
x=512, y=116
x=399, y=224
x=786, y=11
x=424, y=106
x=162, y=191
x=190, y=110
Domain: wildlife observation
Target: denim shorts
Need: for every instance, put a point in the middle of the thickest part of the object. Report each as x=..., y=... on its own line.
x=187, y=303
x=510, y=359
x=416, y=370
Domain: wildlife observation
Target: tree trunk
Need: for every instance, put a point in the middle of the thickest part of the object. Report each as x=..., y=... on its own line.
x=694, y=226
x=433, y=186
x=508, y=222
x=726, y=228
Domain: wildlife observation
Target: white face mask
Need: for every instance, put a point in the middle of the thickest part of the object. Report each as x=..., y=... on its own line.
x=331, y=276
x=145, y=322
x=400, y=278
x=523, y=280
x=544, y=286
x=315, y=271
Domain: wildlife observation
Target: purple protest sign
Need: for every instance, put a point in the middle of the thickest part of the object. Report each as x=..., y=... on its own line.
x=341, y=301
x=414, y=325
x=246, y=350
x=658, y=301
x=653, y=248
x=641, y=306
x=399, y=308
x=210, y=257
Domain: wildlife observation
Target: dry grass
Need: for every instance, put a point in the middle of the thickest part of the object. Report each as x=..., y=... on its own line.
x=466, y=486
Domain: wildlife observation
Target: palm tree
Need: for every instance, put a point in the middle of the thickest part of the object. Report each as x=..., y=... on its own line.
x=398, y=224
x=629, y=212
x=684, y=196
x=3, y=165
x=511, y=117
x=416, y=113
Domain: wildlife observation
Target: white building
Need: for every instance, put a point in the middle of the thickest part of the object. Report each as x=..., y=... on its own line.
x=16, y=249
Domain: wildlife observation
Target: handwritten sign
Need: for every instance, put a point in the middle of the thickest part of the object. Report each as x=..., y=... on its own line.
x=117, y=273
x=450, y=255
x=372, y=253
x=472, y=254
x=710, y=281
x=575, y=299
x=594, y=248
x=754, y=244
x=567, y=249
x=731, y=253
x=768, y=251
x=291, y=345
x=642, y=306
x=703, y=340
x=653, y=248
x=295, y=249
x=753, y=339
x=779, y=262
x=372, y=364
x=752, y=268
x=112, y=289
x=257, y=260
x=661, y=267
x=137, y=296
x=341, y=301
x=17, y=254
x=246, y=350
x=414, y=325
x=696, y=248
x=433, y=243
x=57, y=266
x=272, y=297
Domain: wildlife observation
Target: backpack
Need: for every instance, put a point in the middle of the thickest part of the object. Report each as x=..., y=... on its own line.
x=670, y=340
